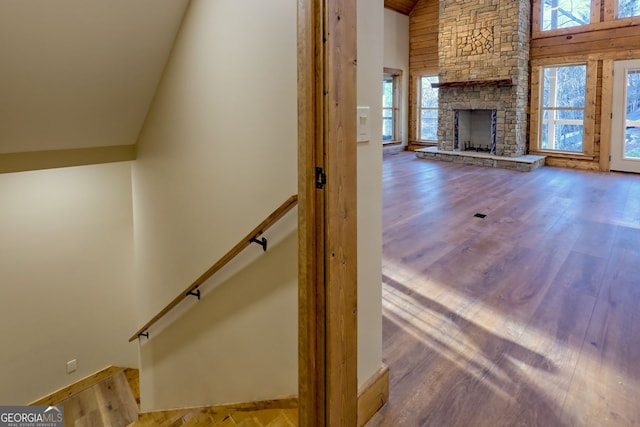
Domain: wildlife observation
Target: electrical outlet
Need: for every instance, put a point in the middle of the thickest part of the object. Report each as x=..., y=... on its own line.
x=72, y=365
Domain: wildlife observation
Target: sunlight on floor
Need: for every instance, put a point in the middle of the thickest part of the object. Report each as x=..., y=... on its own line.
x=509, y=356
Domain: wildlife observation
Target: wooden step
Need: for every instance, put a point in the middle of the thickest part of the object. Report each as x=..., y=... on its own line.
x=110, y=402
x=272, y=413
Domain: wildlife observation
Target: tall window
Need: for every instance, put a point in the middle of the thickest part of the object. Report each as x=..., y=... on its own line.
x=563, y=108
x=391, y=105
x=427, y=109
x=628, y=8
x=566, y=13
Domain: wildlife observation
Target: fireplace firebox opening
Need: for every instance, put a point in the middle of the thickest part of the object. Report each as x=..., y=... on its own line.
x=475, y=130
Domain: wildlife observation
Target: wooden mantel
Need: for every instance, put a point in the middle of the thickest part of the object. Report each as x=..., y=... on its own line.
x=484, y=83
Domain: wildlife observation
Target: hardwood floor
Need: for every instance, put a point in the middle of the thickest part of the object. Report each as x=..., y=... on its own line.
x=528, y=317
x=112, y=402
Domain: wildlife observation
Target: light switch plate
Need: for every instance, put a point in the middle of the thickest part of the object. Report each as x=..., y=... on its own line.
x=363, y=125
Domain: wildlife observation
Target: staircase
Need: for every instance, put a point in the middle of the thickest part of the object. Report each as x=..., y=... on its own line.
x=114, y=401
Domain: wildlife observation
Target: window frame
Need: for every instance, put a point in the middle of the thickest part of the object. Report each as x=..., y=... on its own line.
x=604, y=15
x=420, y=108
x=396, y=111
x=594, y=16
x=589, y=118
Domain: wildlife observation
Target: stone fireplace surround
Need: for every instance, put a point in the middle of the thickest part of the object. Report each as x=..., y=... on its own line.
x=510, y=126
x=483, y=51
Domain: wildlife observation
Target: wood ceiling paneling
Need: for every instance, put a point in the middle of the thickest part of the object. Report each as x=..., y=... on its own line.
x=402, y=6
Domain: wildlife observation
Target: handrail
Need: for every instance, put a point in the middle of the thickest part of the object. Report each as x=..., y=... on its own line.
x=251, y=238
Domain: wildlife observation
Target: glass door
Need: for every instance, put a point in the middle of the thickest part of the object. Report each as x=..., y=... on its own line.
x=625, y=133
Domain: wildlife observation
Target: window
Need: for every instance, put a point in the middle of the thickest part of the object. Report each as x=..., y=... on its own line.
x=563, y=108
x=628, y=8
x=566, y=13
x=427, y=109
x=391, y=105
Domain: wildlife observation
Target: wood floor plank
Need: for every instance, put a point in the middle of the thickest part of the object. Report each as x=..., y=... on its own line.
x=110, y=402
x=525, y=317
x=607, y=379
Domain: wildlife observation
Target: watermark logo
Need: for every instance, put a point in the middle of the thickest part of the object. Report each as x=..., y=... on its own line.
x=31, y=416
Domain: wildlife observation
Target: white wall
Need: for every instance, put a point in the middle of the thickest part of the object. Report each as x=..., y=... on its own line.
x=396, y=55
x=217, y=154
x=370, y=41
x=65, y=276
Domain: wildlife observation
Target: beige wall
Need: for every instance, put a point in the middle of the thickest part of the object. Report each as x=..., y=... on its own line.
x=370, y=64
x=66, y=279
x=396, y=55
x=213, y=161
x=81, y=74
x=218, y=153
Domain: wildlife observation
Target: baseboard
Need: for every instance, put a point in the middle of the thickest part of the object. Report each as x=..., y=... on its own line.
x=65, y=392
x=372, y=395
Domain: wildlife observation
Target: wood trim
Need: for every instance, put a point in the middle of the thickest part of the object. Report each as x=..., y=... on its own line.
x=534, y=107
x=311, y=308
x=596, y=10
x=392, y=71
x=396, y=73
x=596, y=26
x=563, y=154
x=605, y=115
x=51, y=159
x=340, y=195
x=373, y=395
x=590, y=109
x=327, y=217
x=610, y=10
x=80, y=385
x=567, y=60
x=239, y=247
x=477, y=83
x=536, y=18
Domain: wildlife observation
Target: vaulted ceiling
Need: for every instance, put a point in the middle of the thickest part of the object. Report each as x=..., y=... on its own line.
x=402, y=6
x=80, y=73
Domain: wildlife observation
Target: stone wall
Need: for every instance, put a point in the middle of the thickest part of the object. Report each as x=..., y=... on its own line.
x=484, y=41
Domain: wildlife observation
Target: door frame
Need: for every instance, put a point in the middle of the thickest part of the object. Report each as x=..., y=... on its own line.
x=618, y=116
x=327, y=236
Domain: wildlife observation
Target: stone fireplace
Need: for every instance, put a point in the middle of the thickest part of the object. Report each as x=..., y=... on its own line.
x=484, y=66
